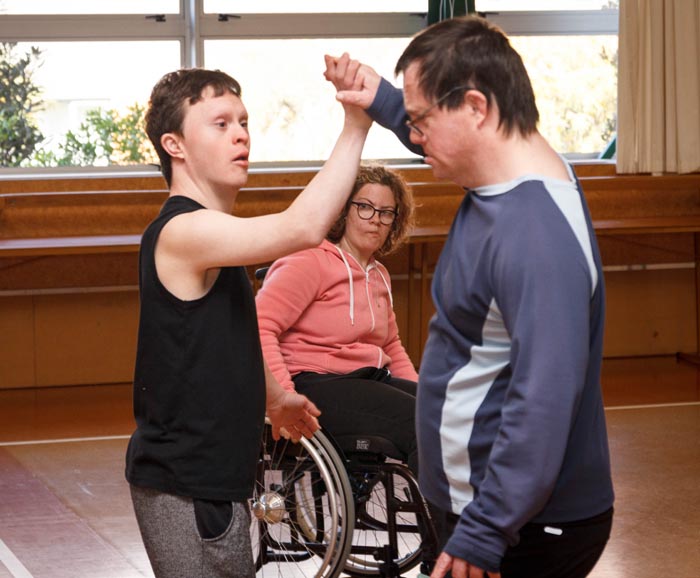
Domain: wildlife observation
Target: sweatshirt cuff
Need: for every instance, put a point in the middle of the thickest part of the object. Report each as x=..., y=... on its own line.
x=461, y=545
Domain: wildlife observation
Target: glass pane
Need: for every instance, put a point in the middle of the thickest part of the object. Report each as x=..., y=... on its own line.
x=89, y=7
x=90, y=99
x=575, y=82
x=293, y=112
x=310, y=6
x=530, y=5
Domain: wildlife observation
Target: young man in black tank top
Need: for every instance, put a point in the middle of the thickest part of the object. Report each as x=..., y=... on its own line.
x=201, y=388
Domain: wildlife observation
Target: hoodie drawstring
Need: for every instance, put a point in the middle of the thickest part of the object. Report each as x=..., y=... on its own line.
x=352, y=290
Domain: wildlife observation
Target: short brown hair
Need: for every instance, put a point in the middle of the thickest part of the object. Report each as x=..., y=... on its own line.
x=403, y=223
x=166, y=111
x=469, y=52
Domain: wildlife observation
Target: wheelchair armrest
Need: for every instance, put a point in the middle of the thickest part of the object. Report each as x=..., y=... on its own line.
x=260, y=273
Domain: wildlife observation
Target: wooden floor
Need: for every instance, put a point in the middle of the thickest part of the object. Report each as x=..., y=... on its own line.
x=65, y=509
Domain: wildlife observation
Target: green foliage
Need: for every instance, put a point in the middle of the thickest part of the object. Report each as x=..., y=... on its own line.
x=575, y=82
x=19, y=99
x=105, y=137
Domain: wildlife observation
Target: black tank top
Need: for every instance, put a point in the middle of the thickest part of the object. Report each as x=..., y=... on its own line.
x=199, y=383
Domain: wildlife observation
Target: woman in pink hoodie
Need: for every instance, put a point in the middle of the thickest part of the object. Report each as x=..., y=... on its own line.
x=327, y=324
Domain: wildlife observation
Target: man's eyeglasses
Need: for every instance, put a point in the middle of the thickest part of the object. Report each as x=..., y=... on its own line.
x=366, y=211
x=413, y=123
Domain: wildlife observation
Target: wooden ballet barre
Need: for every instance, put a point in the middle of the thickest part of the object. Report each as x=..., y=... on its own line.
x=33, y=247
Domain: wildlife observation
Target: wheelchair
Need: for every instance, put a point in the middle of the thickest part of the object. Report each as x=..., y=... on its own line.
x=328, y=506
x=323, y=507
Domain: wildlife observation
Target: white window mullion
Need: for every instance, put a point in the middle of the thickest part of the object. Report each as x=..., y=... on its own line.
x=193, y=52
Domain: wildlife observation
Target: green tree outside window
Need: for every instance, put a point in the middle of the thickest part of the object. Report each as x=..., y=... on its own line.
x=20, y=98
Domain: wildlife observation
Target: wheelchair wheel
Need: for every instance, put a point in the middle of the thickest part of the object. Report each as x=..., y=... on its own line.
x=374, y=492
x=302, y=511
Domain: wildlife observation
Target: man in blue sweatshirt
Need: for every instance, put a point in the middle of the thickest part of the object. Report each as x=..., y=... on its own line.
x=512, y=441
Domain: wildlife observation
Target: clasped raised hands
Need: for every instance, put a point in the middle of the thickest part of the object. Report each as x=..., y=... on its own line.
x=356, y=83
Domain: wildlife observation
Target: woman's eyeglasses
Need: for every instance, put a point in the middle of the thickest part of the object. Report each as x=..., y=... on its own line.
x=366, y=211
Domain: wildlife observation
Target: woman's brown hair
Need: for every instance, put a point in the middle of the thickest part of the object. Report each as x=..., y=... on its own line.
x=403, y=223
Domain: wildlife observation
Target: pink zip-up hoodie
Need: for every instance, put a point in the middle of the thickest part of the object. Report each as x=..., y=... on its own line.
x=320, y=311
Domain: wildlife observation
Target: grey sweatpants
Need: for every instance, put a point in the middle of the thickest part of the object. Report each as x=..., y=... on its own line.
x=176, y=549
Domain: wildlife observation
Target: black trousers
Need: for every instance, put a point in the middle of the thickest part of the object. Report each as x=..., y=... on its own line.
x=368, y=402
x=562, y=550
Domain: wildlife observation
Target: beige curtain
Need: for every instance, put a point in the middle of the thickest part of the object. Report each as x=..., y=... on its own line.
x=659, y=87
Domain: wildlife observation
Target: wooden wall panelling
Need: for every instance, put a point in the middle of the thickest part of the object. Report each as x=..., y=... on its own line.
x=397, y=265
x=89, y=183
x=85, y=338
x=696, y=357
x=40, y=215
x=650, y=312
x=17, y=364
x=59, y=331
x=68, y=271
x=415, y=298
x=618, y=250
x=623, y=197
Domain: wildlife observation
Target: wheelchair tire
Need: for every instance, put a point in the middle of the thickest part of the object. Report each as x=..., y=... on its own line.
x=302, y=511
x=371, y=522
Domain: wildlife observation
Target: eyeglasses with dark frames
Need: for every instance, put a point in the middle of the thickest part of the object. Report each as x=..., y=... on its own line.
x=412, y=124
x=366, y=211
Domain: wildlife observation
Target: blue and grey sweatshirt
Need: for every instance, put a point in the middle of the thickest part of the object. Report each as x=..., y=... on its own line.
x=510, y=420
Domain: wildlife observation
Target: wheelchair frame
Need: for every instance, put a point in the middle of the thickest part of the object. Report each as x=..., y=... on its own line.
x=318, y=511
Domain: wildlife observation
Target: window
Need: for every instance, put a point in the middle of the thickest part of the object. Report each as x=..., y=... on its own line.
x=293, y=112
x=88, y=87
x=93, y=65
x=570, y=52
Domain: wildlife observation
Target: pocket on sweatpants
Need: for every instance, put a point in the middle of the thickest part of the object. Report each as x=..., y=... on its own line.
x=213, y=517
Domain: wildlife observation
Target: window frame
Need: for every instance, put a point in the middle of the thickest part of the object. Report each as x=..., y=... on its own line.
x=191, y=27
x=556, y=22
